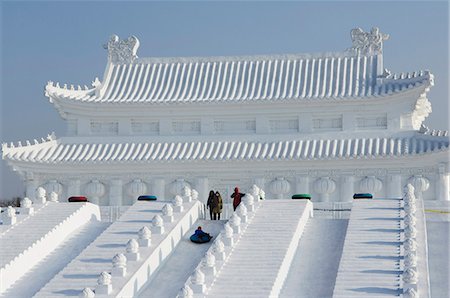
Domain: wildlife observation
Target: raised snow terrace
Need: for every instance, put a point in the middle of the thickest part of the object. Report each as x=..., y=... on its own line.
x=370, y=261
x=258, y=258
x=146, y=234
x=35, y=236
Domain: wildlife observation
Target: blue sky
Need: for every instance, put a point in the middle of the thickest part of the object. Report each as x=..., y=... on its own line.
x=62, y=41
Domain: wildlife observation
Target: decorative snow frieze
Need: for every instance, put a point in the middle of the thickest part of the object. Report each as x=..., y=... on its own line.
x=198, y=282
x=410, y=219
x=133, y=250
x=94, y=190
x=176, y=187
x=368, y=43
x=249, y=202
x=209, y=264
x=324, y=186
x=420, y=184
x=370, y=184
x=157, y=225
x=87, y=293
x=178, y=204
x=228, y=237
x=26, y=206
x=410, y=245
x=136, y=188
x=410, y=232
x=242, y=212
x=410, y=293
x=145, y=237
x=9, y=216
x=280, y=187
x=122, y=51
x=104, y=286
x=410, y=208
x=219, y=250
x=186, y=292
x=235, y=221
x=53, y=197
x=410, y=260
x=410, y=279
x=167, y=211
x=119, y=263
x=40, y=195
x=186, y=194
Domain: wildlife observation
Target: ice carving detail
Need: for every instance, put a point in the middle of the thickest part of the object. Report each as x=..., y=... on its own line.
x=368, y=42
x=122, y=51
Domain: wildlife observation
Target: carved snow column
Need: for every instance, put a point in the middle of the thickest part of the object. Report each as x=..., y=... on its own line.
x=370, y=184
x=302, y=184
x=198, y=282
x=219, y=250
x=186, y=292
x=176, y=187
x=145, y=237
x=242, y=212
x=186, y=194
x=132, y=250
x=104, y=286
x=119, y=263
x=420, y=184
x=209, y=264
x=135, y=189
x=228, y=235
x=115, y=192
x=53, y=186
x=443, y=184
x=324, y=187
x=9, y=216
x=347, y=188
x=394, y=186
x=157, y=225
x=73, y=188
x=40, y=195
x=249, y=202
x=202, y=187
x=159, y=186
x=87, y=293
x=167, y=211
x=53, y=197
x=178, y=204
x=26, y=206
x=235, y=221
x=280, y=187
x=94, y=190
x=30, y=191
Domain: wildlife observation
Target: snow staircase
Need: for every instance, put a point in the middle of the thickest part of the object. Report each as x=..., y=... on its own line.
x=84, y=270
x=22, y=247
x=260, y=260
x=370, y=261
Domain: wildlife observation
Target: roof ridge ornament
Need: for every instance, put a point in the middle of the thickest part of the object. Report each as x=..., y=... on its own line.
x=122, y=51
x=370, y=43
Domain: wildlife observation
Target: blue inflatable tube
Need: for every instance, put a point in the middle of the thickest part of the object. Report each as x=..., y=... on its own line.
x=201, y=239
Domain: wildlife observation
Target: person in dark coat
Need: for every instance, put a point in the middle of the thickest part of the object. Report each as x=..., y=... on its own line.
x=210, y=202
x=236, y=196
x=217, y=206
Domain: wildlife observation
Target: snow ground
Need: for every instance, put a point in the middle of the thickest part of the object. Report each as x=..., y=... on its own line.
x=48, y=267
x=314, y=268
x=172, y=275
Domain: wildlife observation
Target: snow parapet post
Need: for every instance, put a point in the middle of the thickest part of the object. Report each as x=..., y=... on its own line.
x=157, y=224
x=227, y=235
x=186, y=292
x=178, y=204
x=104, y=286
x=235, y=221
x=119, y=263
x=242, y=212
x=87, y=293
x=53, y=197
x=132, y=250
x=145, y=237
x=219, y=250
x=198, y=282
x=9, y=216
x=41, y=195
x=167, y=211
x=186, y=194
x=209, y=265
x=249, y=202
x=26, y=206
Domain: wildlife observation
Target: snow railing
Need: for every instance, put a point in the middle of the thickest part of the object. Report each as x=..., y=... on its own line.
x=415, y=252
x=216, y=256
x=25, y=260
x=132, y=268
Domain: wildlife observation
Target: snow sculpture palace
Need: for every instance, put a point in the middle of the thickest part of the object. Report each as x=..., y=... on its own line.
x=328, y=124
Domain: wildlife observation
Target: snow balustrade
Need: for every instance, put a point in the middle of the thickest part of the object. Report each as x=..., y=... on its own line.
x=415, y=278
x=132, y=268
x=216, y=256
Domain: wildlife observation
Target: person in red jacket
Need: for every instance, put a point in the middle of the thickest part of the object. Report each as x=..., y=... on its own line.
x=236, y=196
